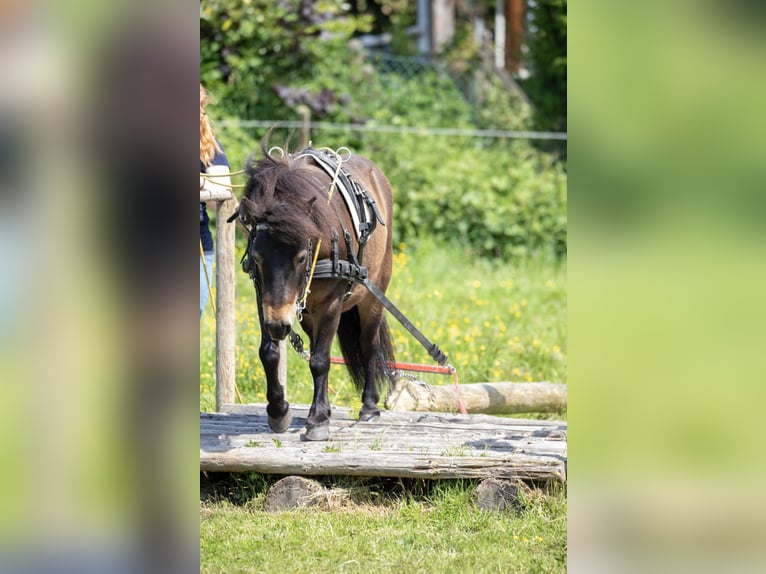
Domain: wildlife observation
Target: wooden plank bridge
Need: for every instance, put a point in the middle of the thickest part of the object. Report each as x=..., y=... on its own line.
x=398, y=444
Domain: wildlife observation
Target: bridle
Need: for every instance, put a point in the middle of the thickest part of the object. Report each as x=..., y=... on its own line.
x=251, y=268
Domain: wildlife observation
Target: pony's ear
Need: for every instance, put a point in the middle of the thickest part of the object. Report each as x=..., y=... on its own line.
x=310, y=205
x=245, y=210
x=233, y=216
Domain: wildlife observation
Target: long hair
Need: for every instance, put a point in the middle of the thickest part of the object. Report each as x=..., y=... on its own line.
x=208, y=145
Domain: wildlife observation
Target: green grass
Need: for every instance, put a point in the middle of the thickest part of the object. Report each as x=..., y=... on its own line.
x=496, y=321
x=390, y=526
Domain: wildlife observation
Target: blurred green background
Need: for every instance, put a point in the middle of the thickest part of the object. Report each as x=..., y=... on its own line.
x=666, y=283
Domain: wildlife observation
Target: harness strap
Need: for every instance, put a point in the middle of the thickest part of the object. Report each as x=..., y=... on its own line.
x=339, y=269
x=435, y=352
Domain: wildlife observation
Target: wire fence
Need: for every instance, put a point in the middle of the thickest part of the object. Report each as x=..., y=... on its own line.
x=416, y=130
x=469, y=83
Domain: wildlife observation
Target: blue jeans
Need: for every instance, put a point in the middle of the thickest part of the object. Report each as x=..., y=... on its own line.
x=204, y=294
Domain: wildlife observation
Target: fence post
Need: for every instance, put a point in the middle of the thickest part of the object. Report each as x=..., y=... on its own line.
x=225, y=334
x=305, y=114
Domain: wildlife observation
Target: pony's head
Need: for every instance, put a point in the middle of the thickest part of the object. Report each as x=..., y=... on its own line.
x=284, y=208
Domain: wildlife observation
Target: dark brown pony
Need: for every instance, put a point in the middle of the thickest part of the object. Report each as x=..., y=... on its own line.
x=289, y=209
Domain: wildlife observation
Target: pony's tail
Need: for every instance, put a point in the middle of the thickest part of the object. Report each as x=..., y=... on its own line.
x=349, y=331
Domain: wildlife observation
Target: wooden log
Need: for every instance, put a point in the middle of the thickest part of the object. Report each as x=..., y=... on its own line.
x=490, y=398
x=224, y=302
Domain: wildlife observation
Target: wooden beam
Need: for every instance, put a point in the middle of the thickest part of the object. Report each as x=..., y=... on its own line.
x=416, y=445
x=217, y=194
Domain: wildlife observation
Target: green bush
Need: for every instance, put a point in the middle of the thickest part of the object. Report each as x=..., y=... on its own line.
x=503, y=198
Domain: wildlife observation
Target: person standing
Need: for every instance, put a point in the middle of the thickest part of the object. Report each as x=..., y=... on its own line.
x=213, y=162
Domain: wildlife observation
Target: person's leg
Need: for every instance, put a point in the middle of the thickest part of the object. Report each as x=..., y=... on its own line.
x=204, y=293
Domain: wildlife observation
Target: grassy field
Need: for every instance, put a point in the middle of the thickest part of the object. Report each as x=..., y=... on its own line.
x=407, y=527
x=497, y=322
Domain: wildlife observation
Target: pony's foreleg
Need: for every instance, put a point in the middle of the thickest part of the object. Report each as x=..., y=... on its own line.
x=318, y=422
x=278, y=409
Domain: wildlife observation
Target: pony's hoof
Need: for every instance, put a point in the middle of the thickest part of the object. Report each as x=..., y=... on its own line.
x=281, y=424
x=317, y=432
x=369, y=415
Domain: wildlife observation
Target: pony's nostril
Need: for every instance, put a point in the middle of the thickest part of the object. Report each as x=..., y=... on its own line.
x=277, y=331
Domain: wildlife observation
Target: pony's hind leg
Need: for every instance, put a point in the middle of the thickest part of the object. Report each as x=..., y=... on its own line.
x=359, y=346
x=377, y=351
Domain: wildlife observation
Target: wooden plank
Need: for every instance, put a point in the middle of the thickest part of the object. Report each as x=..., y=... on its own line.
x=398, y=444
x=217, y=194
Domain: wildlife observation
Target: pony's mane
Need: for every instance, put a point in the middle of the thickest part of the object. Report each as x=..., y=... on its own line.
x=288, y=195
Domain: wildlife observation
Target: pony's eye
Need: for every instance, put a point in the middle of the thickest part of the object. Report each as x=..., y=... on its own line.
x=301, y=259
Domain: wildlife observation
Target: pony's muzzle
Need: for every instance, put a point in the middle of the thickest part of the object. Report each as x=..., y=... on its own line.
x=277, y=330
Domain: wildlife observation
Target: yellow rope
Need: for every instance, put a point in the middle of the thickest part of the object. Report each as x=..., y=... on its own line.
x=208, y=177
x=212, y=303
x=207, y=276
x=330, y=191
x=340, y=160
x=302, y=302
x=241, y=171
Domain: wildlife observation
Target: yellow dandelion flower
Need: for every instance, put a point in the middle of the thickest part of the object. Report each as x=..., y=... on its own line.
x=549, y=284
x=536, y=343
x=556, y=349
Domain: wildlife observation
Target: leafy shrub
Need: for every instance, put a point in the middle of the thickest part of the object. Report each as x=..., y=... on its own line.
x=502, y=198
